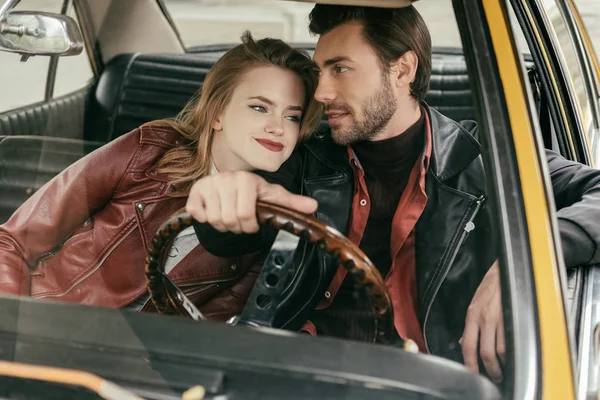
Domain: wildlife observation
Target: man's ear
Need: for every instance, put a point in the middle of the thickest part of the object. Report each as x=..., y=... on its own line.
x=405, y=68
x=217, y=125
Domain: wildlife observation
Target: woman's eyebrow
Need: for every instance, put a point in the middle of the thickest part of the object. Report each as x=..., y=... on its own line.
x=262, y=98
x=272, y=103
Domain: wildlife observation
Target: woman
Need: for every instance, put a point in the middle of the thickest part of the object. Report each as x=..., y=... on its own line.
x=83, y=236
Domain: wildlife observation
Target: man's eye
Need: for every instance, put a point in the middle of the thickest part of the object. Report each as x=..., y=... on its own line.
x=317, y=72
x=340, y=70
x=259, y=109
x=294, y=118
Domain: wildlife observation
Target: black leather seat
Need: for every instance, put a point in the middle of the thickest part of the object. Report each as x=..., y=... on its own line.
x=28, y=162
x=449, y=90
x=137, y=88
x=60, y=117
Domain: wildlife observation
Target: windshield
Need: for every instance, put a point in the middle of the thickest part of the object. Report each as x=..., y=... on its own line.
x=166, y=107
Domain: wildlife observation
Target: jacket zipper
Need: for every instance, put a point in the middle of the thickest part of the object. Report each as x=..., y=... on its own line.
x=202, y=289
x=469, y=226
x=91, y=271
x=60, y=246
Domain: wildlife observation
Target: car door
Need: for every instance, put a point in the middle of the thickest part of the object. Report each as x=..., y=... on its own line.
x=562, y=50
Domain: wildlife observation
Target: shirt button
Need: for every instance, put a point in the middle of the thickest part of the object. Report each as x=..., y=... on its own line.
x=363, y=202
x=327, y=295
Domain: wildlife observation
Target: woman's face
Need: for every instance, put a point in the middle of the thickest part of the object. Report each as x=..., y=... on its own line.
x=260, y=126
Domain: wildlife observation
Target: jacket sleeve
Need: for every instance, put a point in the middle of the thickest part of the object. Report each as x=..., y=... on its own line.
x=577, y=197
x=57, y=209
x=227, y=244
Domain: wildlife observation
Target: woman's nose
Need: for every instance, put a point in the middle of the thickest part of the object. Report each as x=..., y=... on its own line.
x=274, y=128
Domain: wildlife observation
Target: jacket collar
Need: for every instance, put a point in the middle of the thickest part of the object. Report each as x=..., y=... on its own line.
x=454, y=147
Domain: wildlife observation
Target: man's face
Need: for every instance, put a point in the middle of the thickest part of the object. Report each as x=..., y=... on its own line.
x=356, y=92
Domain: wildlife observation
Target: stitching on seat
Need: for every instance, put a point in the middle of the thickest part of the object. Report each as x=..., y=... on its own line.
x=119, y=97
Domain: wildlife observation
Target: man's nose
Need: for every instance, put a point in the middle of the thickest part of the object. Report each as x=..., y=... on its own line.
x=325, y=92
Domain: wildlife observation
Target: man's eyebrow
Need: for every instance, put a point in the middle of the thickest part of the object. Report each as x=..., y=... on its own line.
x=336, y=60
x=271, y=103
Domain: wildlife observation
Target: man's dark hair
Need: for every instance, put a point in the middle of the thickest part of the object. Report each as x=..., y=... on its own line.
x=390, y=31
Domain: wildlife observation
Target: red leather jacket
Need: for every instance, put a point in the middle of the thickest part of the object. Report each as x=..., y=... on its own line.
x=83, y=236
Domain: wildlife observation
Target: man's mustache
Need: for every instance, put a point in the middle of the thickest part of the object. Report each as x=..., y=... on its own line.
x=337, y=107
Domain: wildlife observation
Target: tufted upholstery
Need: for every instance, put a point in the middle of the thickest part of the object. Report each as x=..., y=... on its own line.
x=28, y=162
x=449, y=90
x=135, y=89
x=61, y=117
x=139, y=88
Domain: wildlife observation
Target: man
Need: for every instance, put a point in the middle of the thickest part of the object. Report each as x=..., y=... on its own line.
x=405, y=183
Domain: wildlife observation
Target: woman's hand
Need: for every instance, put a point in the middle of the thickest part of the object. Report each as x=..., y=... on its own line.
x=227, y=200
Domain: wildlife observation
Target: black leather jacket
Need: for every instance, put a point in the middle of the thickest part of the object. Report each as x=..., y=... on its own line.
x=455, y=243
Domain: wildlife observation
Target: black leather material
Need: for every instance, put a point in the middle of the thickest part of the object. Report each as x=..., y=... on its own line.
x=449, y=90
x=137, y=88
x=61, y=117
x=28, y=162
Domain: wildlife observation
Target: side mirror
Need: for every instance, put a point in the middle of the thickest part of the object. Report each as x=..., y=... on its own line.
x=38, y=33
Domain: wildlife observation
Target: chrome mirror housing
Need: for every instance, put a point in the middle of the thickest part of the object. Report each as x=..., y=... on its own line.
x=38, y=33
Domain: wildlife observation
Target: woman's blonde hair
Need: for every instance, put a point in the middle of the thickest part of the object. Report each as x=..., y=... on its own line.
x=191, y=160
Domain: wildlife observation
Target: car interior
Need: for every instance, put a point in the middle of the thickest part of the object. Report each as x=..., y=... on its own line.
x=135, y=83
x=39, y=141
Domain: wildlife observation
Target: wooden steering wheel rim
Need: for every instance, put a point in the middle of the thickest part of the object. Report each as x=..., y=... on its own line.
x=326, y=238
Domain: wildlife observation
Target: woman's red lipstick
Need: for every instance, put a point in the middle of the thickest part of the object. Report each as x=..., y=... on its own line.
x=270, y=145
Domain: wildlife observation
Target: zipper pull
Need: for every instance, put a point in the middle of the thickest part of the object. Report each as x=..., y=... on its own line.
x=470, y=226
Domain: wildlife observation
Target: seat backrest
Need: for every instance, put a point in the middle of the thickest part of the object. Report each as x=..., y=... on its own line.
x=28, y=162
x=137, y=88
x=59, y=117
x=449, y=90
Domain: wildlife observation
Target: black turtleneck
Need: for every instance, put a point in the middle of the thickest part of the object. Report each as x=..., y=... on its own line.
x=387, y=165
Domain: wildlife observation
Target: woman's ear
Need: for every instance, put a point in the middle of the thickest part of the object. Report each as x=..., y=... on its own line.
x=217, y=125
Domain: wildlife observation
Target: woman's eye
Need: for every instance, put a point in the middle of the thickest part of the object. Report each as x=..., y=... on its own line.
x=259, y=108
x=340, y=70
x=294, y=118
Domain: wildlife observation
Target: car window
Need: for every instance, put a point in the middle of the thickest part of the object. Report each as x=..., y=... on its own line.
x=210, y=22
x=589, y=14
x=72, y=73
x=563, y=39
x=24, y=83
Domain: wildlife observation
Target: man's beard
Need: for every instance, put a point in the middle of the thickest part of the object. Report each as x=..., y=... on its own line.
x=377, y=112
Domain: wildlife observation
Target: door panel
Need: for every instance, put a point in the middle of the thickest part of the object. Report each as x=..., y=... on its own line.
x=61, y=117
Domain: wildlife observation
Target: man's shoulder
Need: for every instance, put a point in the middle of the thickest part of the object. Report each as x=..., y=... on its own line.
x=321, y=148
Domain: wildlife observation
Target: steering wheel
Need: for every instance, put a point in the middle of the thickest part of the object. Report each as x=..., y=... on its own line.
x=168, y=299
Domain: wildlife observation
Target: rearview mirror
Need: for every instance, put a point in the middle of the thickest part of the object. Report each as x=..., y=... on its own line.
x=39, y=33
